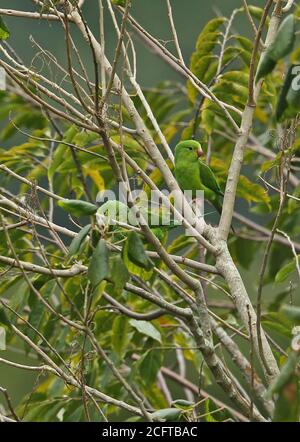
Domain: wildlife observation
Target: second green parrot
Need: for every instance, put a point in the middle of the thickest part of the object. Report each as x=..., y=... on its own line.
x=193, y=174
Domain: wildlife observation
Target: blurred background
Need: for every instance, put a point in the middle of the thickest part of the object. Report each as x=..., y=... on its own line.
x=190, y=16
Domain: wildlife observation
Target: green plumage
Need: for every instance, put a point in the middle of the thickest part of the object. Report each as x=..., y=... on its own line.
x=193, y=174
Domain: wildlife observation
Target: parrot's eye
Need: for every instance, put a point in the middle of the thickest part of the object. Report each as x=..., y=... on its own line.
x=190, y=148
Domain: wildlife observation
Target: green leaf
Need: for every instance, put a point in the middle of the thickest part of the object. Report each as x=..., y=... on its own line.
x=135, y=269
x=120, y=335
x=211, y=27
x=200, y=67
x=245, y=43
x=50, y=327
x=255, y=11
x=267, y=165
x=137, y=253
x=167, y=414
x=282, y=99
x=285, y=271
x=208, y=116
x=119, y=2
x=287, y=405
x=180, y=243
x=4, y=32
x=25, y=118
x=285, y=373
x=73, y=412
x=277, y=327
x=278, y=256
x=278, y=322
x=114, y=209
x=46, y=411
x=36, y=316
x=209, y=415
x=278, y=299
x=3, y=317
x=158, y=398
x=19, y=294
x=293, y=95
x=159, y=217
x=281, y=46
x=84, y=138
x=118, y=273
x=203, y=56
x=78, y=240
x=291, y=311
x=252, y=192
x=161, y=234
x=237, y=77
x=98, y=269
x=78, y=207
x=146, y=328
x=183, y=404
x=60, y=151
x=245, y=251
x=232, y=84
x=284, y=40
x=265, y=66
x=149, y=365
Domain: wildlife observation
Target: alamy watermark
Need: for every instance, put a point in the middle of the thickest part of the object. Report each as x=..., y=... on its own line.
x=2, y=79
x=156, y=208
x=2, y=338
x=296, y=80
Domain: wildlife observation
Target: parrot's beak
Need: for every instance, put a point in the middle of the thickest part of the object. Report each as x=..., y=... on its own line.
x=200, y=152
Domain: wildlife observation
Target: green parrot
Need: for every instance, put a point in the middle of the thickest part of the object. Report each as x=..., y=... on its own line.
x=193, y=174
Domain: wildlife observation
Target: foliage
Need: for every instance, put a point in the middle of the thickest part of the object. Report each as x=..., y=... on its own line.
x=99, y=297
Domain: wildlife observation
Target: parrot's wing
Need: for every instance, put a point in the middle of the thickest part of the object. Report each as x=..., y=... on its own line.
x=208, y=178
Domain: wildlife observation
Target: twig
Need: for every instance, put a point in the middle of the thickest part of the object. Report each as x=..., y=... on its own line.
x=9, y=403
x=288, y=6
x=293, y=197
x=70, y=380
x=251, y=364
x=174, y=32
x=31, y=15
x=102, y=42
x=283, y=190
x=182, y=372
x=140, y=93
x=194, y=389
x=258, y=228
x=164, y=387
x=116, y=56
x=245, y=128
x=252, y=22
x=293, y=250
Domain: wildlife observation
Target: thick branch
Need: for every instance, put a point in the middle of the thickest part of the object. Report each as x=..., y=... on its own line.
x=238, y=154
